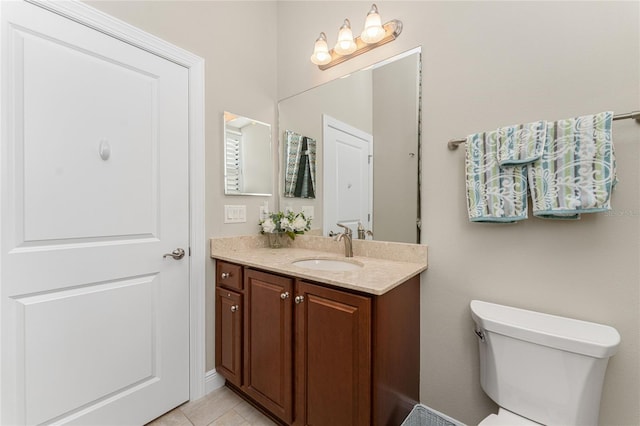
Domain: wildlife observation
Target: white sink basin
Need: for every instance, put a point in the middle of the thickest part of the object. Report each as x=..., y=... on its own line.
x=336, y=265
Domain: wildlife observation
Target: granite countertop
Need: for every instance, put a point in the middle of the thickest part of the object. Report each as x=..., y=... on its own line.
x=384, y=265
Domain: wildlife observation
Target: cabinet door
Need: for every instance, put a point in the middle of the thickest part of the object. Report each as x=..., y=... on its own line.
x=333, y=357
x=229, y=335
x=268, y=367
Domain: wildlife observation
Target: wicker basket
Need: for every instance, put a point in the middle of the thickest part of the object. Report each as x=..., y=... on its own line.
x=422, y=415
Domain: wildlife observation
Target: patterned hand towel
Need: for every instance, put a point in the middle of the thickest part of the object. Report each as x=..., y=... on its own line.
x=576, y=172
x=305, y=186
x=494, y=193
x=300, y=156
x=522, y=143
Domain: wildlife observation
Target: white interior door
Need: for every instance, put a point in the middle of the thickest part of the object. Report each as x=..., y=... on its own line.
x=347, y=171
x=94, y=175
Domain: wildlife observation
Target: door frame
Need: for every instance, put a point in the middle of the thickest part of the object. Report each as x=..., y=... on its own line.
x=100, y=21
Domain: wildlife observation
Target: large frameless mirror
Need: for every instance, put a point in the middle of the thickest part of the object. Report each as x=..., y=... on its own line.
x=248, y=164
x=365, y=130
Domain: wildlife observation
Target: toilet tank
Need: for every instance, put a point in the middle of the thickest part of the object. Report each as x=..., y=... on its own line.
x=546, y=368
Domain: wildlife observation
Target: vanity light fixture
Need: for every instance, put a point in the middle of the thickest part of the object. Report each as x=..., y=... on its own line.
x=345, y=45
x=373, y=31
x=374, y=34
x=321, y=55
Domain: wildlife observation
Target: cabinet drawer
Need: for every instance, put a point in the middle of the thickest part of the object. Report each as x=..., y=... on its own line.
x=229, y=275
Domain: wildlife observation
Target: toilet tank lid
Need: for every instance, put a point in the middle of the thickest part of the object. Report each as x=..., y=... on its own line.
x=583, y=337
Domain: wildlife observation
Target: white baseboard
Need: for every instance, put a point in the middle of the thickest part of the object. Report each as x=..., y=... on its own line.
x=212, y=381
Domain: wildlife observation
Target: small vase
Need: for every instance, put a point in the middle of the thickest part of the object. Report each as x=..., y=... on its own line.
x=276, y=239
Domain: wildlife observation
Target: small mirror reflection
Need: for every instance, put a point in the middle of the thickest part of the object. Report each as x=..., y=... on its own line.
x=248, y=164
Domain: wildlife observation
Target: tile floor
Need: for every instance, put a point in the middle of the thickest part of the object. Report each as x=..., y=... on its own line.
x=222, y=407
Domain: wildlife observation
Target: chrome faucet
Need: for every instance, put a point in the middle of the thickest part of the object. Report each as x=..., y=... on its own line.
x=346, y=236
x=362, y=233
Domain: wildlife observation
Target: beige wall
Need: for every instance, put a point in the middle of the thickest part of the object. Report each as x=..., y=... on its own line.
x=238, y=42
x=485, y=64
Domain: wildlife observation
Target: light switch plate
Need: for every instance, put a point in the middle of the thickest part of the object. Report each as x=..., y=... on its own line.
x=235, y=213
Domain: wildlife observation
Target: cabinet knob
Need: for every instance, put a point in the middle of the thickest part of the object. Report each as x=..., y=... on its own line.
x=284, y=295
x=225, y=275
x=234, y=308
x=298, y=299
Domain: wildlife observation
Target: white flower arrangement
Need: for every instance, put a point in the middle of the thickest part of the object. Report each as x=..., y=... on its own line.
x=290, y=223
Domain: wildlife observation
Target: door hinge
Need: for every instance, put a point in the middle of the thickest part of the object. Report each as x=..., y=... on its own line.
x=189, y=251
x=369, y=157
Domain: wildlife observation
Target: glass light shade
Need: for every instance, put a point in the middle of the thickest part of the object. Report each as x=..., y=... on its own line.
x=321, y=55
x=345, y=44
x=373, y=30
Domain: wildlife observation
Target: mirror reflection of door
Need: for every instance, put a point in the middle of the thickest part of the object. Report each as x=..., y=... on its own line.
x=348, y=172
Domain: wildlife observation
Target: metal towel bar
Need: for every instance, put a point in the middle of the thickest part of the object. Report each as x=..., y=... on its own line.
x=453, y=143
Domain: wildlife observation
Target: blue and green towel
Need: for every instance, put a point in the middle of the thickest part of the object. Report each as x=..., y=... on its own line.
x=577, y=172
x=569, y=163
x=494, y=193
x=522, y=143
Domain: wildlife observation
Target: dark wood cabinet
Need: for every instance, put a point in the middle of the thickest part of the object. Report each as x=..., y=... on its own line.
x=332, y=356
x=396, y=353
x=311, y=354
x=268, y=342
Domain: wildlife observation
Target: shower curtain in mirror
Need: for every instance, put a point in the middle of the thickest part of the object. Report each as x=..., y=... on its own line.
x=300, y=170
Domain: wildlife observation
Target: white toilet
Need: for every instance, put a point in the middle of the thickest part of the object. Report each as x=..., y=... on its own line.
x=539, y=368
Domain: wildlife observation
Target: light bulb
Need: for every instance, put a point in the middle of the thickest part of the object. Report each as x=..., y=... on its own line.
x=321, y=55
x=373, y=30
x=345, y=44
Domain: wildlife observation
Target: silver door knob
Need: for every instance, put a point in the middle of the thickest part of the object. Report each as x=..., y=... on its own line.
x=225, y=275
x=234, y=308
x=284, y=295
x=177, y=254
x=298, y=299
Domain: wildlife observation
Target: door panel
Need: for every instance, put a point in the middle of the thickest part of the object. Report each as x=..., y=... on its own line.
x=61, y=147
x=229, y=312
x=108, y=359
x=333, y=357
x=352, y=197
x=268, y=342
x=94, y=172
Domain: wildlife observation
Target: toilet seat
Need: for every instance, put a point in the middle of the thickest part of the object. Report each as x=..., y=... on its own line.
x=506, y=418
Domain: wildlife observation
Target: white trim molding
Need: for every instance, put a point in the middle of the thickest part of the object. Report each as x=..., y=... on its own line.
x=100, y=21
x=213, y=381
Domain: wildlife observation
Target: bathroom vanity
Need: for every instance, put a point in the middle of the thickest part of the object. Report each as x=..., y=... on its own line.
x=314, y=346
